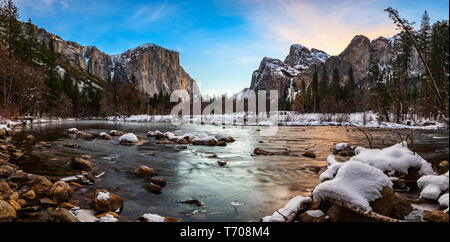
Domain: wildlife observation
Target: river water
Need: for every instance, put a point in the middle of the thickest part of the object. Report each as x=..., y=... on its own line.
x=262, y=184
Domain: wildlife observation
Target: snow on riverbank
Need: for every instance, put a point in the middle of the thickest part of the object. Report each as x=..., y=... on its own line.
x=368, y=119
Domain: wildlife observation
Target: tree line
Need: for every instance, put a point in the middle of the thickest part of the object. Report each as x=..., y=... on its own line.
x=396, y=93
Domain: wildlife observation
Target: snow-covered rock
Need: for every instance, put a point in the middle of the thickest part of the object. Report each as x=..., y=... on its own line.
x=333, y=167
x=108, y=218
x=294, y=205
x=356, y=184
x=397, y=158
x=129, y=138
x=432, y=185
x=149, y=217
x=443, y=201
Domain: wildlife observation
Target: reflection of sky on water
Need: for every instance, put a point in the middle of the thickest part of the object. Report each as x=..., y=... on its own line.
x=263, y=183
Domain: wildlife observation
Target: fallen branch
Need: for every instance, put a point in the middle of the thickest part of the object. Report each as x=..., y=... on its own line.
x=370, y=139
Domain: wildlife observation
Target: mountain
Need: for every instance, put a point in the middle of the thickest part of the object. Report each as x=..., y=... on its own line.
x=299, y=65
x=274, y=74
x=154, y=68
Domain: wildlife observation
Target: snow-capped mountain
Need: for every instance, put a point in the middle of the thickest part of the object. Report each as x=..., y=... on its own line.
x=301, y=62
x=152, y=67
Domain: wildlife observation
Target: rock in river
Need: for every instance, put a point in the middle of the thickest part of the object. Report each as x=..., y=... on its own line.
x=80, y=164
x=159, y=181
x=106, y=202
x=60, y=191
x=259, y=151
x=7, y=212
x=153, y=188
x=144, y=171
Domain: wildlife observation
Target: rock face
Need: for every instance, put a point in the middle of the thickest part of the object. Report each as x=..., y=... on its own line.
x=299, y=65
x=152, y=67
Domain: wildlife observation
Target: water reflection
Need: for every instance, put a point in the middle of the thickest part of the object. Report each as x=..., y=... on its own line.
x=263, y=184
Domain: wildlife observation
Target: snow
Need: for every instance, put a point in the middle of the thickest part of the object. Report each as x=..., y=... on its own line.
x=103, y=134
x=315, y=213
x=153, y=217
x=103, y=196
x=443, y=201
x=341, y=146
x=220, y=137
x=291, y=119
x=356, y=184
x=108, y=218
x=432, y=185
x=60, y=71
x=129, y=138
x=333, y=167
x=84, y=215
x=205, y=139
x=73, y=130
x=292, y=206
x=397, y=158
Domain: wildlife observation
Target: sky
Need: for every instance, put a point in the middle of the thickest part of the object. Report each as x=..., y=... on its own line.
x=221, y=42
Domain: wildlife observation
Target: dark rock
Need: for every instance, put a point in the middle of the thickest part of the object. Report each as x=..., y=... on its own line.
x=159, y=181
x=402, y=207
x=309, y=154
x=193, y=201
x=259, y=151
x=153, y=188
x=80, y=164
x=144, y=171
x=222, y=163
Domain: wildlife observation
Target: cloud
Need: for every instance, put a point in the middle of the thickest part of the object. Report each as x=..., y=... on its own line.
x=327, y=25
x=153, y=12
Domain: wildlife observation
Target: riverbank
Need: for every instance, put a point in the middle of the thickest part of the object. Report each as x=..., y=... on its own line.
x=363, y=120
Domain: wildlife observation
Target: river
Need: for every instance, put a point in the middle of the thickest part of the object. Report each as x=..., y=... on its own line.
x=262, y=184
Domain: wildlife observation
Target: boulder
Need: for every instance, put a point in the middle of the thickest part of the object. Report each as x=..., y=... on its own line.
x=80, y=164
x=159, y=181
x=14, y=204
x=309, y=154
x=30, y=138
x=221, y=143
x=153, y=188
x=144, y=171
x=402, y=207
x=385, y=204
x=106, y=136
x=259, y=151
x=70, y=145
x=115, y=215
x=116, y=133
x=60, y=191
x=151, y=134
x=222, y=163
x=62, y=215
x=39, y=184
x=310, y=217
x=7, y=212
x=230, y=139
x=5, y=190
x=6, y=170
x=106, y=202
x=436, y=216
x=29, y=195
x=442, y=167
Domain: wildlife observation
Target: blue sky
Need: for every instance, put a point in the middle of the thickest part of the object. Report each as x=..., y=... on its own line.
x=221, y=42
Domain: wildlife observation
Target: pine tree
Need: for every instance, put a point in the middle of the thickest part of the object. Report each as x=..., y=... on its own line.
x=10, y=15
x=315, y=91
x=323, y=84
x=349, y=90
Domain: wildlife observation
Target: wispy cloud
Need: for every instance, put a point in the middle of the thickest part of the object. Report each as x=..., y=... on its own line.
x=327, y=25
x=151, y=13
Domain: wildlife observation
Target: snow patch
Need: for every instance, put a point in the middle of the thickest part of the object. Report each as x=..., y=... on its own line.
x=355, y=183
x=129, y=138
x=397, y=158
x=432, y=185
x=103, y=196
x=153, y=218
x=292, y=206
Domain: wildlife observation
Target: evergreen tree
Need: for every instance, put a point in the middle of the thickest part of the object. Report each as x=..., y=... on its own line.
x=315, y=91
x=349, y=90
x=323, y=84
